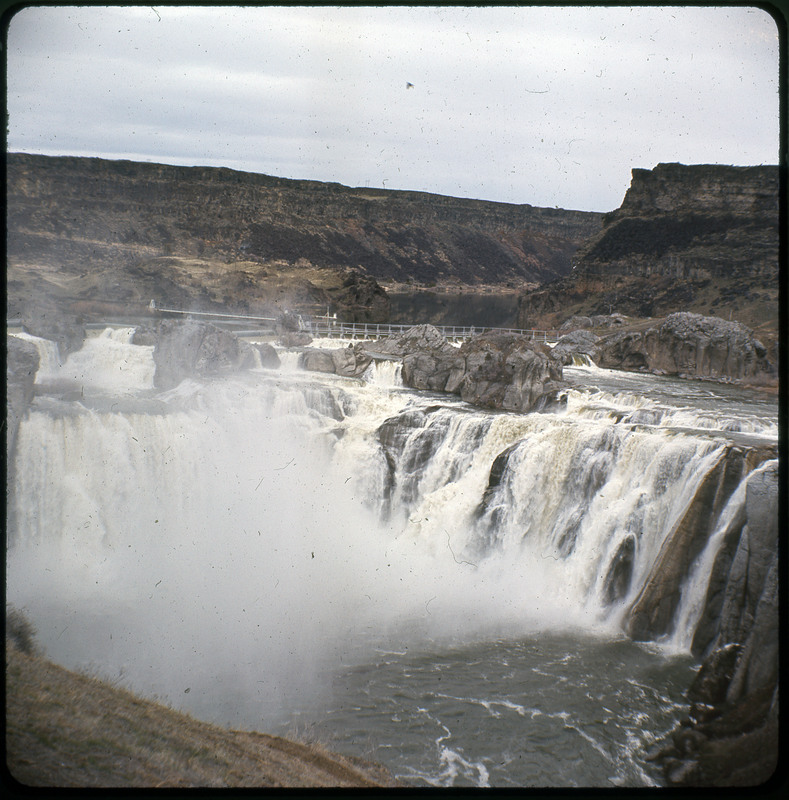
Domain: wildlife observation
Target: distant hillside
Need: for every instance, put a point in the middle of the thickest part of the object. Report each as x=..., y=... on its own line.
x=89, y=228
x=700, y=238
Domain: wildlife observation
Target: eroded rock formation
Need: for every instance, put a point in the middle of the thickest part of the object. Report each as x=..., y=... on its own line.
x=498, y=371
x=349, y=362
x=701, y=238
x=104, y=232
x=684, y=344
x=730, y=737
x=692, y=345
x=190, y=348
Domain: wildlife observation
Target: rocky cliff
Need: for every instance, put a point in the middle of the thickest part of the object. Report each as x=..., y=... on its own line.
x=121, y=231
x=730, y=736
x=700, y=238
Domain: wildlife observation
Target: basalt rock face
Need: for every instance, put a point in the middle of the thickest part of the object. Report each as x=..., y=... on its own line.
x=94, y=230
x=497, y=371
x=731, y=735
x=690, y=222
x=691, y=345
x=700, y=238
x=186, y=349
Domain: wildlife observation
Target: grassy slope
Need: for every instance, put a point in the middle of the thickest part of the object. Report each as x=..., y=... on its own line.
x=66, y=729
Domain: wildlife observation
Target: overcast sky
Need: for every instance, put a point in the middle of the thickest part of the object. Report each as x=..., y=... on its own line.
x=548, y=106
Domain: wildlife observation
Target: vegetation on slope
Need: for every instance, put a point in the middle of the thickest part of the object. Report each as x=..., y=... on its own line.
x=69, y=730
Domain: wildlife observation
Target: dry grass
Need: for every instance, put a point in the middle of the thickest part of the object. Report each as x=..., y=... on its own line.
x=66, y=729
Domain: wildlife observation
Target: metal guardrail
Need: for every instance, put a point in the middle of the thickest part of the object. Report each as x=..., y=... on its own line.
x=373, y=330
x=331, y=328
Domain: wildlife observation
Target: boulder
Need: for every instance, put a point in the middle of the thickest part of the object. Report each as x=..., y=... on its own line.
x=690, y=345
x=186, y=349
x=268, y=355
x=419, y=339
x=506, y=371
x=317, y=360
x=499, y=371
x=578, y=342
x=350, y=362
x=434, y=371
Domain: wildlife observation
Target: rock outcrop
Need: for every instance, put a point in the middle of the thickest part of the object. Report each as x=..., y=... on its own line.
x=348, y=362
x=701, y=238
x=497, y=371
x=577, y=343
x=684, y=344
x=40, y=316
x=690, y=345
x=22, y=362
x=652, y=613
x=419, y=339
x=690, y=222
x=730, y=737
x=186, y=349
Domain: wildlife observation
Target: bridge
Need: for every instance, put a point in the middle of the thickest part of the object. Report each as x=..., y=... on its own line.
x=324, y=327
x=329, y=327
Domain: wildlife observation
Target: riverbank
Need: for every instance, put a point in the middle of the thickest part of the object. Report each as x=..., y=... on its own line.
x=68, y=730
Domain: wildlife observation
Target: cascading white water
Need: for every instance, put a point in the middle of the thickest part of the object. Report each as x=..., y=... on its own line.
x=246, y=538
x=49, y=360
x=694, y=591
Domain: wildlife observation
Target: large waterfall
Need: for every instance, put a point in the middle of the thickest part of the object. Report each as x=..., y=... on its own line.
x=284, y=550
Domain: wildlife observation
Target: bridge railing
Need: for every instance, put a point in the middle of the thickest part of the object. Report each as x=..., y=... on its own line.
x=331, y=328
x=372, y=330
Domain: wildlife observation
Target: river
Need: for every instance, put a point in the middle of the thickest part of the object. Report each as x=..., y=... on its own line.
x=396, y=574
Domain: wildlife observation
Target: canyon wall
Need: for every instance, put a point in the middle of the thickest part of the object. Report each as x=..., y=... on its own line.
x=119, y=230
x=701, y=238
x=690, y=222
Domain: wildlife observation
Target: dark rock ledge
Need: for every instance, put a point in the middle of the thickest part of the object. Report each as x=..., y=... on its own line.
x=683, y=344
x=190, y=348
x=731, y=734
x=496, y=371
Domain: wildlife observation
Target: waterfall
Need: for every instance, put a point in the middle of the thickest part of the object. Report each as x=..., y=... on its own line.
x=106, y=362
x=240, y=536
x=48, y=353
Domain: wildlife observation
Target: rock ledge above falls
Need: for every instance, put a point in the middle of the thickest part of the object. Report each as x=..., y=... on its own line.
x=684, y=344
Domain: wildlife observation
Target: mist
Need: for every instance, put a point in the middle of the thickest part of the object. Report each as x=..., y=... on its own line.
x=217, y=547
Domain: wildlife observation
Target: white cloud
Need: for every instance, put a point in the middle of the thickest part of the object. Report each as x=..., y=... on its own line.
x=548, y=106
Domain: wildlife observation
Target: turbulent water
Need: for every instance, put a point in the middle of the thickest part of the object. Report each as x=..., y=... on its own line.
x=398, y=574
